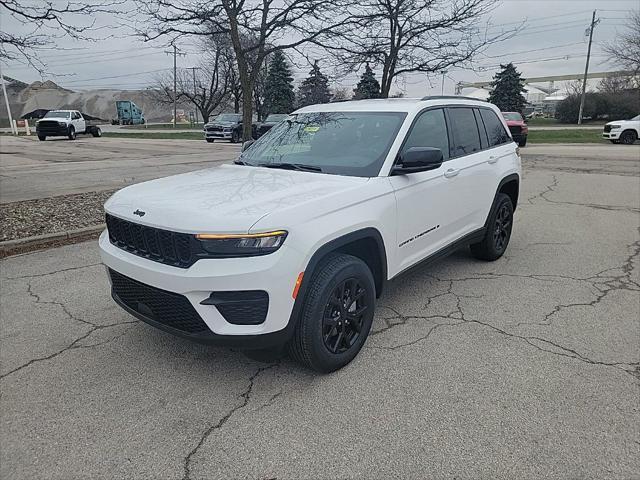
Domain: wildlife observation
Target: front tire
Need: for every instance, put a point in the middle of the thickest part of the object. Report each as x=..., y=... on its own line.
x=209, y=140
x=628, y=137
x=235, y=137
x=522, y=142
x=42, y=138
x=499, y=226
x=72, y=133
x=337, y=314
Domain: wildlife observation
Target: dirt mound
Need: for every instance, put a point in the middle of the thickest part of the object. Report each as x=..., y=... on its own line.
x=98, y=103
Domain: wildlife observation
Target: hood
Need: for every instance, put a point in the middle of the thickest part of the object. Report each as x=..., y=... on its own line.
x=223, y=199
x=55, y=119
x=621, y=122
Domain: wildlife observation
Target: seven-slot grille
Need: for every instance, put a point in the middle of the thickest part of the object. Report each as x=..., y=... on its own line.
x=214, y=128
x=515, y=129
x=170, y=309
x=170, y=248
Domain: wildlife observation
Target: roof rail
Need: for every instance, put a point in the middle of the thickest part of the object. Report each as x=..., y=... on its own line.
x=451, y=97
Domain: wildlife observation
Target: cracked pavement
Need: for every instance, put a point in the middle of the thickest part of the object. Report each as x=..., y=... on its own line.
x=528, y=367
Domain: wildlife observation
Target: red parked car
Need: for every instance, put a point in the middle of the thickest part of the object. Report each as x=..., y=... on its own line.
x=517, y=126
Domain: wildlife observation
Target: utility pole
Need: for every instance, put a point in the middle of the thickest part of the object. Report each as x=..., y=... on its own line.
x=594, y=22
x=175, y=81
x=193, y=69
x=444, y=72
x=6, y=99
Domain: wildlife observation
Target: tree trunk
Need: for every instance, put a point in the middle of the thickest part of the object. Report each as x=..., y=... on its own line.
x=236, y=103
x=206, y=113
x=247, y=110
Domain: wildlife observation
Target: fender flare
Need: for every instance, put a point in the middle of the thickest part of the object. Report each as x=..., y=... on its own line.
x=325, y=249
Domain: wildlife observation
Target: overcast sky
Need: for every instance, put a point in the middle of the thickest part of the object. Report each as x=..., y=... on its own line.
x=555, y=29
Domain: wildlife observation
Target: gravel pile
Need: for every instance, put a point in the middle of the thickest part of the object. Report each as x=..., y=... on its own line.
x=51, y=215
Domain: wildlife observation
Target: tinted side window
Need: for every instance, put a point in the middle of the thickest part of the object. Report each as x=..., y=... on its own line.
x=429, y=130
x=484, y=141
x=465, y=131
x=495, y=130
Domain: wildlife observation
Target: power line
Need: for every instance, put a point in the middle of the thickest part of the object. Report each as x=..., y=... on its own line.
x=118, y=76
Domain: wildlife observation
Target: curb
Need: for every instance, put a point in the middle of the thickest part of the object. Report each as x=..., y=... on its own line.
x=14, y=246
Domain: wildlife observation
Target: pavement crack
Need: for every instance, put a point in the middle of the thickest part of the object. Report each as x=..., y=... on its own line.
x=55, y=271
x=245, y=396
x=61, y=305
x=73, y=345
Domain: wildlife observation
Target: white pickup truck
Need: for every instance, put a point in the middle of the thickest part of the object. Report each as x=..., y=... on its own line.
x=65, y=123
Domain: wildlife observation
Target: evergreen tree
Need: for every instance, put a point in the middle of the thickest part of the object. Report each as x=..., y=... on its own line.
x=279, y=94
x=368, y=86
x=508, y=88
x=314, y=89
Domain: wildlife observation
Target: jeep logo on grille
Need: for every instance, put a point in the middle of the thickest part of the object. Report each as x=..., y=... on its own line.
x=139, y=213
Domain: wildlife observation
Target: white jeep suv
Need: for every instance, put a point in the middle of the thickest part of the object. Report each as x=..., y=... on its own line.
x=293, y=243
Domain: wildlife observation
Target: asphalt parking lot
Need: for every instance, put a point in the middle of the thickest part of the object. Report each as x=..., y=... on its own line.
x=32, y=169
x=528, y=367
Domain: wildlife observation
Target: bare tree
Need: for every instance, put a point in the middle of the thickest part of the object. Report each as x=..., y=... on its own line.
x=407, y=36
x=254, y=27
x=626, y=49
x=207, y=86
x=46, y=21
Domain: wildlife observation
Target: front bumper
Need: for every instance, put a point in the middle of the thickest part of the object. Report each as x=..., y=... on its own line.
x=52, y=131
x=218, y=134
x=275, y=274
x=612, y=135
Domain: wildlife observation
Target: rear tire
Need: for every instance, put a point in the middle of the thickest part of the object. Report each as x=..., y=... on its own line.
x=499, y=227
x=42, y=138
x=337, y=314
x=96, y=132
x=628, y=137
x=72, y=133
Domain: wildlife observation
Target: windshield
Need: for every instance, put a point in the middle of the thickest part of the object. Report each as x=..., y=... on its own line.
x=57, y=114
x=276, y=117
x=228, y=117
x=514, y=117
x=342, y=143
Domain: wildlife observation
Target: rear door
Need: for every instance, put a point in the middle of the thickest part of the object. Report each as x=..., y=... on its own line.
x=469, y=165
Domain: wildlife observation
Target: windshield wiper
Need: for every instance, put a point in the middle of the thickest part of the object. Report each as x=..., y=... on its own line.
x=291, y=166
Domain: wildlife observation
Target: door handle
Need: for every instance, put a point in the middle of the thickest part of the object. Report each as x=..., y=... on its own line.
x=492, y=159
x=451, y=172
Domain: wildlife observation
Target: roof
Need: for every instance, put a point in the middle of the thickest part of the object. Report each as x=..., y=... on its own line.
x=390, y=104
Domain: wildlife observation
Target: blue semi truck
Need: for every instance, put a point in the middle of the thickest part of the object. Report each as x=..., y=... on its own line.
x=128, y=113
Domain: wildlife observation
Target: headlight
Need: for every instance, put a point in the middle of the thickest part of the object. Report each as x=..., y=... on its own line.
x=615, y=127
x=62, y=124
x=242, y=245
x=226, y=129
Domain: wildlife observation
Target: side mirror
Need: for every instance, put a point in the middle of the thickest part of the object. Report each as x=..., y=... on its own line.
x=247, y=144
x=418, y=159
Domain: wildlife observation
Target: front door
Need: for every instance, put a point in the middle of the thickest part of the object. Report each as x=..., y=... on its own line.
x=424, y=200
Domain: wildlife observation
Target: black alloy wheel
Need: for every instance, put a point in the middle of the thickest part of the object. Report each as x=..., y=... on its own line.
x=628, y=137
x=502, y=228
x=343, y=316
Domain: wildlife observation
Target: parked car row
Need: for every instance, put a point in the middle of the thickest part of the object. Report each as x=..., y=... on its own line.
x=228, y=126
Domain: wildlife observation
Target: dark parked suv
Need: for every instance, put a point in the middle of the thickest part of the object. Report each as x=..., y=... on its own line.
x=226, y=126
